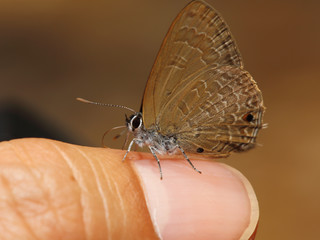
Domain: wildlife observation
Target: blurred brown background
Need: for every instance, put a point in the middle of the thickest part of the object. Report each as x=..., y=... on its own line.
x=54, y=51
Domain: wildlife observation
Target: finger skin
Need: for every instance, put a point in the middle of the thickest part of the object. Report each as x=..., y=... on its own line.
x=55, y=190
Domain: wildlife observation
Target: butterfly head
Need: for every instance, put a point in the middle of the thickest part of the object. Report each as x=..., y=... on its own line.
x=134, y=122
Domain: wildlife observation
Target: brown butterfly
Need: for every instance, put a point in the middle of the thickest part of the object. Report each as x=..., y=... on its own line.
x=198, y=98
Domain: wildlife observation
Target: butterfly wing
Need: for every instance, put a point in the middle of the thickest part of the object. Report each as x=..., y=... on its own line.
x=220, y=111
x=197, y=38
x=198, y=91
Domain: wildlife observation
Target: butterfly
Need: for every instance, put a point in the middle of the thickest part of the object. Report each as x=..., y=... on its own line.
x=198, y=98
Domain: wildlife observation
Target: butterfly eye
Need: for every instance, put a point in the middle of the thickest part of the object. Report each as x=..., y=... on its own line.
x=136, y=122
x=248, y=117
x=200, y=150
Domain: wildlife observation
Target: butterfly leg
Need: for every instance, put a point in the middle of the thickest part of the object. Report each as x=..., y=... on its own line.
x=186, y=157
x=126, y=141
x=155, y=156
x=129, y=148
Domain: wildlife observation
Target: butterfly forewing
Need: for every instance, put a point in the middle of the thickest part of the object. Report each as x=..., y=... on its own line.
x=198, y=91
x=197, y=38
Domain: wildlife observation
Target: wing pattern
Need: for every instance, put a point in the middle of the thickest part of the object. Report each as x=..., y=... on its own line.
x=198, y=91
x=198, y=37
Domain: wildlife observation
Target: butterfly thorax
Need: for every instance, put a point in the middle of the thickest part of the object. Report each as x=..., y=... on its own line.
x=150, y=137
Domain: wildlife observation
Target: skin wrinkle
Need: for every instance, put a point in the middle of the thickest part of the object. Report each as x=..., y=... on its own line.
x=46, y=196
x=14, y=209
x=106, y=207
x=68, y=159
x=107, y=212
x=73, y=170
x=147, y=202
x=23, y=161
x=109, y=182
x=104, y=199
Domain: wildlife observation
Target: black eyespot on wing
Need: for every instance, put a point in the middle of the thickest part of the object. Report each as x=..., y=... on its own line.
x=200, y=150
x=136, y=122
x=248, y=117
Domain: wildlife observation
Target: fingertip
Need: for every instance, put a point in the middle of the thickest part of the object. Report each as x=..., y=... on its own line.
x=219, y=203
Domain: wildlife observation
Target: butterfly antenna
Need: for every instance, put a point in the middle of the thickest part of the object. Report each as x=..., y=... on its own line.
x=105, y=104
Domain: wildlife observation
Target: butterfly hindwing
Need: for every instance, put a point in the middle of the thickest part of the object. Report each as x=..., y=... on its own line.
x=220, y=106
